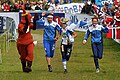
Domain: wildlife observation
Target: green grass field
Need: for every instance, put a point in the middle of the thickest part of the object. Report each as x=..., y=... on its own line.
x=80, y=66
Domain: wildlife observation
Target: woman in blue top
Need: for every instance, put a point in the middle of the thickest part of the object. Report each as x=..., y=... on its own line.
x=68, y=36
x=97, y=40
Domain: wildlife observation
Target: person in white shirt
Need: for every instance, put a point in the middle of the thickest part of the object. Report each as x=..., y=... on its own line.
x=67, y=41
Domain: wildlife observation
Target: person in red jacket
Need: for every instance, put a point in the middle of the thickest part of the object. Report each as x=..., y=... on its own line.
x=117, y=17
x=6, y=7
x=25, y=44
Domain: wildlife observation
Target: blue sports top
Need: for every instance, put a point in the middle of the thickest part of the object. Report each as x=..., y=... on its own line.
x=50, y=30
x=96, y=33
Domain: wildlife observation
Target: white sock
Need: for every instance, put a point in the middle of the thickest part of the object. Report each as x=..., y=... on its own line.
x=64, y=64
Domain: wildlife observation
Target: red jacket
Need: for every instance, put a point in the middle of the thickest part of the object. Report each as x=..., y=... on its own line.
x=6, y=8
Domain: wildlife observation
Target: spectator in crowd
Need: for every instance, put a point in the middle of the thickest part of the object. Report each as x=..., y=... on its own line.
x=21, y=4
x=116, y=3
x=33, y=5
x=17, y=5
x=65, y=2
x=50, y=1
x=46, y=5
x=112, y=11
x=105, y=8
x=14, y=8
x=87, y=8
x=37, y=7
x=93, y=1
x=117, y=17
x=41, y=4
x=0, y=5
x=27, y=5
x=70, y=1
x=51, y=8
x=6, y=7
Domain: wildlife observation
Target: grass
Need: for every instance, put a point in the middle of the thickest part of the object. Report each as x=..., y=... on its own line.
x=80, y=66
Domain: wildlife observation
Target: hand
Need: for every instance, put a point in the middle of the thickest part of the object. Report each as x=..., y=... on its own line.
x=84, y=42
x=56, y=38
x=43, y=13
x=104, y=24
x=35, y=43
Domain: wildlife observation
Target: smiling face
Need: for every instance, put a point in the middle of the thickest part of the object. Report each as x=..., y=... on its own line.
x=63, y=25
x=63, y=22
x=118, y=8
x=94, y=21
x=50, y=18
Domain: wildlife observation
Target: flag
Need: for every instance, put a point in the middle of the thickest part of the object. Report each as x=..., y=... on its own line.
x=109, y=34
x=118, y=33
x=114, y=33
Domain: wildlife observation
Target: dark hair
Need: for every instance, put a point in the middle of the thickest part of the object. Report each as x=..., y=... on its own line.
x=49, y=14
x=95, y=17
x=106, y=4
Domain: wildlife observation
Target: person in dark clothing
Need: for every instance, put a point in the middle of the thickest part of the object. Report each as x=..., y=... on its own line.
x=37, y=7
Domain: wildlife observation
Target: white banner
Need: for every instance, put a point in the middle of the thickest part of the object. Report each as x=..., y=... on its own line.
x=70, y=8
x=77, y=17
x=13, y=15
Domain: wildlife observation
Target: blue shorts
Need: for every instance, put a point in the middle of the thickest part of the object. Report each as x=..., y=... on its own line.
x=49, y=47
x=97, y=49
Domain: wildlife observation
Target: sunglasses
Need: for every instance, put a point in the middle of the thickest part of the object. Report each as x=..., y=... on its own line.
x=63, y=23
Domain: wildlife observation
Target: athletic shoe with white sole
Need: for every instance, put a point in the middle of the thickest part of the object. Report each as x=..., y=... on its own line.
x=97, y=70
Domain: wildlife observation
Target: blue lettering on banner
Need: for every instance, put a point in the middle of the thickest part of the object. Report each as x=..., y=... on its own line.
x=66, y=9
x=70, y=10
x=73, y=19
x=75, y=8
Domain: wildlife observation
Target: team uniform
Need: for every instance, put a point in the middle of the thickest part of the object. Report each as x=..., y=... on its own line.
x=48, y=37
x=97, y=41
x=66, y=43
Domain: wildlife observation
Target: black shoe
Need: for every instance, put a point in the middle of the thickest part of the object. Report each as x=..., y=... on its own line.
x=28, y=69
x=50, y=69
x=65, y=71
x=23, y=66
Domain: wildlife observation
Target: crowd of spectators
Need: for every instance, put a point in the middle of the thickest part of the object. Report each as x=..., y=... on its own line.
x=88, y=8
x=110, y=14
x=8, y=6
